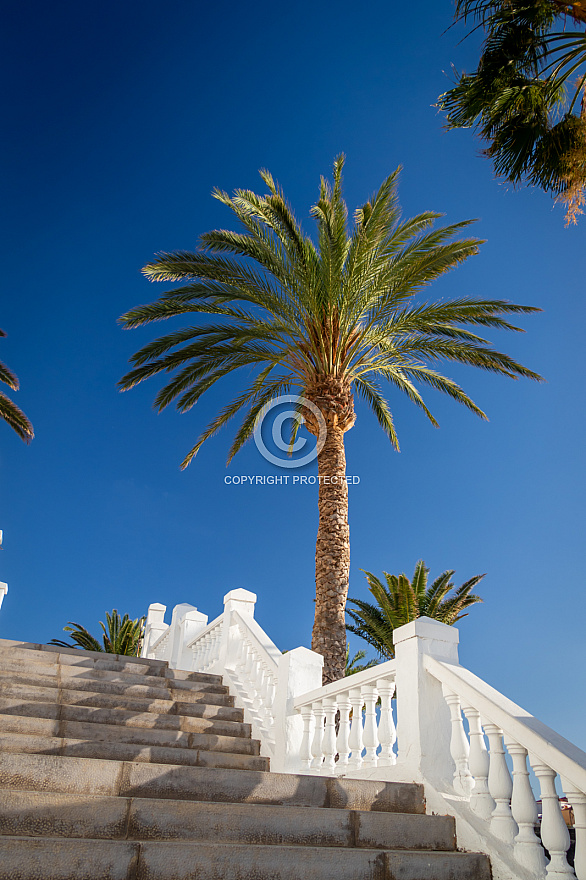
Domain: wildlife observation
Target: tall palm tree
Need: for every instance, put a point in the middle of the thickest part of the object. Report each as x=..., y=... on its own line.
x=9, y=411
x=526, y=98
x=330, y=319
x=401, y=600
x=121, y=635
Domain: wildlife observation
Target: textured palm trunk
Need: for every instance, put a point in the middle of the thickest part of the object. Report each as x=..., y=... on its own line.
x=332, y=558
x=332, y=553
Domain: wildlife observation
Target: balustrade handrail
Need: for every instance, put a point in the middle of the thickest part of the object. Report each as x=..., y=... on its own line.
x=263, y=644
x=357, y=679
x=160, y=640
x=203, y=632
x=537, y=738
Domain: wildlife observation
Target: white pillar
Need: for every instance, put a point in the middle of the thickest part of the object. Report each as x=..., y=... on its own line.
x=192, y=623
x=3, y=591
x=242, y=601
x=175, y=647
x=154, y=627
x=299, y=672
x=423, y=717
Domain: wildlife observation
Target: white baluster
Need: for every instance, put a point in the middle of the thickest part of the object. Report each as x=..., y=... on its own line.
x=247, y=671
x=500, y=786
x=554, y=831
x=356, y=729
x=528, y=849
x=577, y=800
x=480, y=800
x=370, y=730
x=459, y=745
x=386, y=728
x=204, y=651
x=318, y=735
x=305, y=749
x=329, y=740
x=256, y=684
x=343, y=740
x=240, y=654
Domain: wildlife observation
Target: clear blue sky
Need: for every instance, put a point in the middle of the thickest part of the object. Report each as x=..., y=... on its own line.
x=119, y=119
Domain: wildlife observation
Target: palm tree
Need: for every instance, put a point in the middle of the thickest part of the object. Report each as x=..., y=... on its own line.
x=120, y=635
x=403, y=600
x=527, y=96
x=330, y=319
x=9, y=411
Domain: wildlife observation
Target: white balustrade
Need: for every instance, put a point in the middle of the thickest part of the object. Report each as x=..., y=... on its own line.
x=386, y=729
x=481, y=801
x=353, y=705
x=528, y=848
x=459, y=746
x=554, y=831
x=577, y=801
x=318, y=736
x=500, y=786
x=343, y=738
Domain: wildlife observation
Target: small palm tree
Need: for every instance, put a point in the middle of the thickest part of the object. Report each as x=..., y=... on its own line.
x=403, y=600
x=121, y=635
x=353, y=665
x=331, y=319
x=9, y=411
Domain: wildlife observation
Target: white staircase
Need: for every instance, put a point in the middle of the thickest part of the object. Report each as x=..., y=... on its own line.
x=119, y=769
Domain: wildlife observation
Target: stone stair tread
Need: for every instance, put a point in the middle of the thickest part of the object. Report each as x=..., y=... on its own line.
x=30, y=813
x=10, y=683
x=101, y=732
x=118, y=778
x=54, y=655
x=123, y=717
x=23, y=858
x=64, y=676
x=91, y=699
x=123, y=751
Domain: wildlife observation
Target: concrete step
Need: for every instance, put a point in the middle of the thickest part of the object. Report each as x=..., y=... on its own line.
x=100, y=732
x=11, y=682
x=31, y=694
x=119, y=778
x=37, y=814
x=11, y=646
x=13, y=652
x=67, y=676
x=21, y=743
x=125, y=717
x=24, y=858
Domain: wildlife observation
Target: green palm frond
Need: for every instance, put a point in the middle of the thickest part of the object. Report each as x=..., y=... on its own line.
x=353, y=665
x=526, y=97
x=400, y=600
x=9, y=411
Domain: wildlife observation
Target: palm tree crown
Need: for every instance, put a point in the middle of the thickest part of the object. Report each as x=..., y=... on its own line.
x=328, y=318
x=401, y=600
x=121, y=635
x=9, y=411
x=527, y=98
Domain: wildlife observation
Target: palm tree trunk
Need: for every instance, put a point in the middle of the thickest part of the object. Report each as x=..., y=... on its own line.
x=332, y=556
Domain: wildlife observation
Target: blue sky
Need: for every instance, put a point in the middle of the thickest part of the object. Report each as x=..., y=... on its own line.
x=121, y=118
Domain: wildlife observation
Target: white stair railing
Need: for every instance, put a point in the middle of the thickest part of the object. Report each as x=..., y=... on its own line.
x=341, y=721
x=506, y=801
